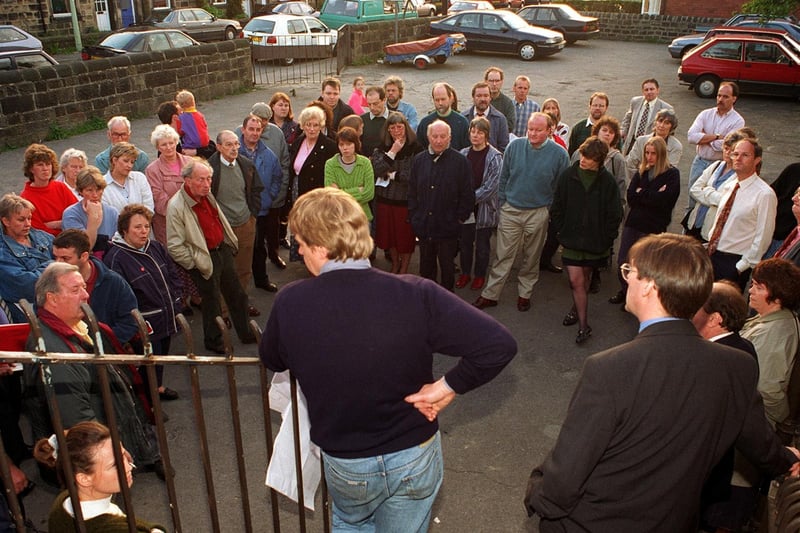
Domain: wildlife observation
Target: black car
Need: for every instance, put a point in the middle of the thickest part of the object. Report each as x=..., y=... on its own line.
x=134, y=39
x=563, y=19
x=500, y=31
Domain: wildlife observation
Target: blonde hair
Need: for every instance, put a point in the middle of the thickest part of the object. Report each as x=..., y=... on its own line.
x=185, y=98
x=332, y=219
x=662, y=162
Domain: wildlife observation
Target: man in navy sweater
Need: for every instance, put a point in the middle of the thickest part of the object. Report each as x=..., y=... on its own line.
x=360, y=343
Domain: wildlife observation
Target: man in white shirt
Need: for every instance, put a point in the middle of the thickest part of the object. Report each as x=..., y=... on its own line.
x=745, y=220
x=710, y=128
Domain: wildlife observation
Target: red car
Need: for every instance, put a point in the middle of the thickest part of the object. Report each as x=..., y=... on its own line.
x=758, y=64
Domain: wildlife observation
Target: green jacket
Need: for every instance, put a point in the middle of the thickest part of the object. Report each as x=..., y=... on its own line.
x=360, y=183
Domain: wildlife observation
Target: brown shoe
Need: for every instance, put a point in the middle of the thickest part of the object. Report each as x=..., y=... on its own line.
x=252, y=311
x=483, y=303
x=523, y=304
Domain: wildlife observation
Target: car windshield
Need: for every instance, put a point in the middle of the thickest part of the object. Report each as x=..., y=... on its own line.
x=260, y=25
x=118, y=40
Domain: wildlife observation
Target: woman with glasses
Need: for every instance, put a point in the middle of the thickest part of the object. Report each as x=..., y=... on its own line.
x=585, y=214
x=651, y=195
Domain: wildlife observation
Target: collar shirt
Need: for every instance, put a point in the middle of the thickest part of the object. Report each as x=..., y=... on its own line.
x=748, y=230
x=709, y=121
x=523, y=112
x=135, y=190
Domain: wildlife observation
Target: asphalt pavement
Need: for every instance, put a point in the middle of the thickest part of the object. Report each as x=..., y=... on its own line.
x=493, y=436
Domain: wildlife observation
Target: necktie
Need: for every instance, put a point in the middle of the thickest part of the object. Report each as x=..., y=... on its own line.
x=643, y=119
x=723, y=218
x=230, y=165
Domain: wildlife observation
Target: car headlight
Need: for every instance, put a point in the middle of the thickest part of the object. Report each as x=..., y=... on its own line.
x=553, y=40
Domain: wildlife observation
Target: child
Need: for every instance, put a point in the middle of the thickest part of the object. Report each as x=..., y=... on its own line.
x=357, y=100
x=193, y=127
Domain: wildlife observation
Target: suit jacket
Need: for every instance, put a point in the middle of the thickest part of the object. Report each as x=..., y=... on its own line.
x=631, y=120
x=252, y=182
x=647, y=422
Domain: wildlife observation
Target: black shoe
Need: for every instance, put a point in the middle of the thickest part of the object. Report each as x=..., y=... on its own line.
x=216, y=348
x=279, y=262
x=267, y=286
x=168, y=394
x=583, y=335
x=618, y=298
x=594, y=285
x=570, y=318
x=550, y=267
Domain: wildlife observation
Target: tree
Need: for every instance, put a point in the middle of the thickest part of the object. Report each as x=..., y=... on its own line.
x=771, y=8
x=233, y=9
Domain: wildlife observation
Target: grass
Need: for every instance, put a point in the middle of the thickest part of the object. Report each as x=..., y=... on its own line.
x=57, y=132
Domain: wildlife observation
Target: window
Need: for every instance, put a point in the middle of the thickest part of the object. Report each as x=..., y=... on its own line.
x=546, y=15
x=762, y=52
x=186, y=16
x=493, y=23
x=60, y=7
x=179, y=40
x=470, y=21
x=202, y=16
x=295, y=26
x=161, y=4
x=725, y=50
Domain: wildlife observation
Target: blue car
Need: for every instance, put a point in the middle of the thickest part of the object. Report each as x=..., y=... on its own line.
x=680, y=45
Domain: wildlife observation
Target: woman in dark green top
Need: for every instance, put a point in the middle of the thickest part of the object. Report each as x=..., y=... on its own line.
x=92, y=457
x=586, y=214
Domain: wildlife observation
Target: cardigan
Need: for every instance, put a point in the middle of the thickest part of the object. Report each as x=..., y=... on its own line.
x=312, y=173
x=164, y=183
x=360, y=183
x=488, y=214
x=396, y=193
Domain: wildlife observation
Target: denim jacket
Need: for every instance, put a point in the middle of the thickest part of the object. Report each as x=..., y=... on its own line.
x=21, y=266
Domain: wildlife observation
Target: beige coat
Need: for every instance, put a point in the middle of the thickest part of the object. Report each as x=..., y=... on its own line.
x=185, y=240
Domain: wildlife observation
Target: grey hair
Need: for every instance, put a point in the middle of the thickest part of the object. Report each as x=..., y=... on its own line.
x=117, y=120
x=188, y=169
x=436, y=123
x=72, y=153
x=48, y=281
x=311, y=112
x=11, y=204
x=161, y=132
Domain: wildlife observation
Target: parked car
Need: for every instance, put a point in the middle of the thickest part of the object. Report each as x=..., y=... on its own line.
x=563, y=19
x=13, y=38
x=337, y=13
x=16, y=59
x=131, y=40
x=758, y=64
x=792, y=29
x=201, y=25
x=424, y=8
x=681, y=45
x=289, y=30
x=465, y=5
x=295, y=8
x=500, y=31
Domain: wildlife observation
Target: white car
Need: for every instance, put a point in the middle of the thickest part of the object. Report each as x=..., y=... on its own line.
x=289, y=30
x=466, y=5
x=424, y=8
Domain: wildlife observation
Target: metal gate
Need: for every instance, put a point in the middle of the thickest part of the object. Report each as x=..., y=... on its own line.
x=290, y=65
x=207, y=437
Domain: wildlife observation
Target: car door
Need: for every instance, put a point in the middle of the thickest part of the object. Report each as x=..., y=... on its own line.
x=470, y=25
x=206, y=26
x=187, y=23
x=320, y=34
x=298, y=34
x=496, y=33
x=723, y=58
x=767, y=67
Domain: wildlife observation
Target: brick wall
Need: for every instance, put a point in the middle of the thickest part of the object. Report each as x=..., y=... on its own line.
x=716, y=9
x=652, y=28
x=34, y=16
x=33, y=100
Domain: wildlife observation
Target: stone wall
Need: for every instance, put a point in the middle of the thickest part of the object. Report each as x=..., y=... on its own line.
x=648, y=28
x=32, y=101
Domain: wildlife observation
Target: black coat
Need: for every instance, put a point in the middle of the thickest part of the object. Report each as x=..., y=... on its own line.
x=312, y=173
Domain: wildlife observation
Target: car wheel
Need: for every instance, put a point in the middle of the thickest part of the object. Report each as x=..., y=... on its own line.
x=287, y=61
x=526, y=51
x=420, y=63
x=686, y=50
x=706, y=86
x=230, y=33
x=440, y=59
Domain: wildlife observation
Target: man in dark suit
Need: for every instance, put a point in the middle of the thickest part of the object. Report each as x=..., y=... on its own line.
x=650, y=418
x=641, y=114
x=723, y=505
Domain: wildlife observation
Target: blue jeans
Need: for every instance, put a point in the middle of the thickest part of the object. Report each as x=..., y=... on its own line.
x=390, y=493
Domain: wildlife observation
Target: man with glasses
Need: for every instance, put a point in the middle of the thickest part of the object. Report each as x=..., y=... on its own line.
x=119, y=130
x=494, y=77
x=650, y=418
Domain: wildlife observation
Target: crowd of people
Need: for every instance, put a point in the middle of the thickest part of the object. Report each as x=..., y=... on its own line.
x=198, y=224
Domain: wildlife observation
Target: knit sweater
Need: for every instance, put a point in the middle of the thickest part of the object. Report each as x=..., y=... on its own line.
x=529, y=175
x=459, y=129
x=376, y=334
x=50, y=202
x=360, y=183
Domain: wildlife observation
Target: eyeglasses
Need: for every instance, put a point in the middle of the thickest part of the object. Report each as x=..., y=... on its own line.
x=625, y=269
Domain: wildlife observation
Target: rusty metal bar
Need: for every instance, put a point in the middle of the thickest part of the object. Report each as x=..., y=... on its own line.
x=111, y=417
x=197, y=401
x=237, y=436
x=163, y=445
x=298, y=462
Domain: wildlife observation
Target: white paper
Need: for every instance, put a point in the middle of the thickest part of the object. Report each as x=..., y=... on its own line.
x=281, y=474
